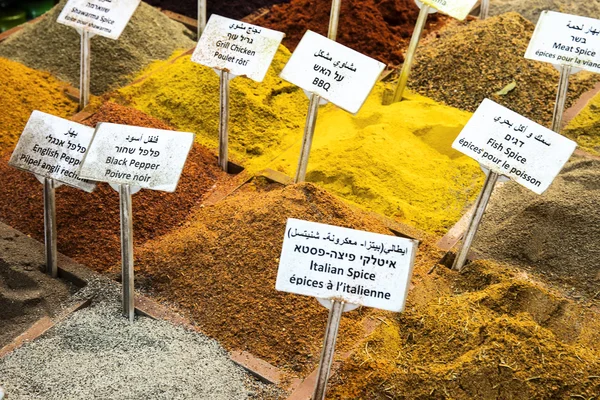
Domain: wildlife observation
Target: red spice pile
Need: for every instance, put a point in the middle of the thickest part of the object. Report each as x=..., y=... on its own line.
x=88, y=223
x=378, y=28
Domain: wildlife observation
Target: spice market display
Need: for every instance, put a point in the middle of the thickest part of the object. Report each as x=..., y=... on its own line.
x=212, y=319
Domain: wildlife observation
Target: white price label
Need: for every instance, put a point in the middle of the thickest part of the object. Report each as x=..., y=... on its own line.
x=566, y=40
x=144, y=157
x=335, y=263
x=53, y=147
x=458, y=9
x=106, y=18
x=333, y=71
x=238, y=47
x=512, y=145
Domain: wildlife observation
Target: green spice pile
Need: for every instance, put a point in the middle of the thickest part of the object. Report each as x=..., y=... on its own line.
x=585, y=127
x=47, y=45
x=556, y=233
x=475, y=60
x=531, y=9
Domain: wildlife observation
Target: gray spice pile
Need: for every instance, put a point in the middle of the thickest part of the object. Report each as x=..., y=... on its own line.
x=531, y=9
x=47, y=45
x=96, y=353
x=556, y=234
x=471, y=61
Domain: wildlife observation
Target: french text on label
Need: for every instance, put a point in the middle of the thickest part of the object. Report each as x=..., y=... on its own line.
x=333, y=71
x=237, y=47
x=53, y=147
x=566, y=40
x=458, y=9
x=106, y=18
x=356, y=267
x=512, y=145
x=144, y=157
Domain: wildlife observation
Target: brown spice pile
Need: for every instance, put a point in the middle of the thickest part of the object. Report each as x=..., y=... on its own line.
x=555, y=234
x=88, y=224
x=488, y=333
x=222, y=266
x=378, y=28
x=474, y=60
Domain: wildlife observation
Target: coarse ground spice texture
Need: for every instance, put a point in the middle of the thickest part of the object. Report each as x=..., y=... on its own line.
x=396, y=160
x=236, y=9
x=488, y=333
x=475, y=60
x=555, y=234
x=222, y=265
x=265, y=118
x=23, y=91
x=531, y=9
x=378, y=28
x=50, y=46
x=585, y=127
x=88, y=223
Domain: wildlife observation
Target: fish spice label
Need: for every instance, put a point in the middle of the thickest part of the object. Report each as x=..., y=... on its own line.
x=514, y=146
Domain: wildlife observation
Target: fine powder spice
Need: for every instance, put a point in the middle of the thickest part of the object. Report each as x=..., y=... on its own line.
x=23, y=91
x=585, y=127
x=88, y=223
x=265, y=118
x=487, y=333
x=380, y=29
x=531, y=9
x=221, y=267
x=555, y=234
x=236, y=9
x=49, y=46
x=396, y=160
x=475, y=60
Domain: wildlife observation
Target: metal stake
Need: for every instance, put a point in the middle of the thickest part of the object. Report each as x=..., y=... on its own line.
x=410, y=54
x=127, y=251
x=334, y=19
x=309, y=133
x=484, y=9
x=333, y=324
x=224, y=119
x=84, y=70
x=50, y=227
x=480, y=205
x=561, y=97
x=201, y=17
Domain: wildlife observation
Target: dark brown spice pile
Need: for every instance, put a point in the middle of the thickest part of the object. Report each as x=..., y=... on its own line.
x=88, y=224
x=236, y=9
x=222, y=266
x=378, y=28
x=474, y=60
x=556, y=234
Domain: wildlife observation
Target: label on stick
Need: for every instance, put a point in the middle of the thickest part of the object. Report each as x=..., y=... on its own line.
x=512, y=145
x=335, y=263
x=333, y=71
x=566, y=40
x=53, y=147
x=458, y=9
x=101, y=17
x=144, y=157
x=237, y=47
